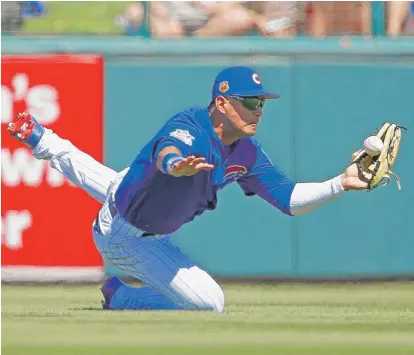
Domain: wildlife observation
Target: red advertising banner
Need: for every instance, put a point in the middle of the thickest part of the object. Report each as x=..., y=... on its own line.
x=47, y=221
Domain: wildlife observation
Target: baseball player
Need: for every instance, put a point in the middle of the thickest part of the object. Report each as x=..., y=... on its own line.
x=173, y=179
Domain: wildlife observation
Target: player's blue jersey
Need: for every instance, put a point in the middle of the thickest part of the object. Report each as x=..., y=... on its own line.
x=160, y=203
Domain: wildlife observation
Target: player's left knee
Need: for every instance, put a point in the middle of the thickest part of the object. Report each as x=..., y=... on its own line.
x=207, y=298
x=213, y=299
x=219, y=303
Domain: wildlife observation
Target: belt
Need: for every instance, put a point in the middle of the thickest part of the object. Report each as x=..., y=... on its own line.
x=146, y=234
x=97, y=228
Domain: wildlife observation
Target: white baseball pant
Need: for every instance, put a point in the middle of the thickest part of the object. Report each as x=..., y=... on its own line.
x=174, y=280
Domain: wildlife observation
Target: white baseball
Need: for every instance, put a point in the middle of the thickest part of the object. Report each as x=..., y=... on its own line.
x=373, y=145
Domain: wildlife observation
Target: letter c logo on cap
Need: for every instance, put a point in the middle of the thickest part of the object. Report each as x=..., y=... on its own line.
x=256, y=78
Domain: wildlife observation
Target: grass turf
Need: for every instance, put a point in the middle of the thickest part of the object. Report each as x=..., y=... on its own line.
x=77, y=17
x=259, y=319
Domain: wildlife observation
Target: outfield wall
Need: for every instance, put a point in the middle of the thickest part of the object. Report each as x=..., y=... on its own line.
x=333, y=94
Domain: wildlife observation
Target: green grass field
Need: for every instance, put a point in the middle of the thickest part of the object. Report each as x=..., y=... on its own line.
x=77, y=18
x=357, y=319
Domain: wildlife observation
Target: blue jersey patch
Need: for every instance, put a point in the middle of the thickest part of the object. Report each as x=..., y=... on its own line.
x=234, y=172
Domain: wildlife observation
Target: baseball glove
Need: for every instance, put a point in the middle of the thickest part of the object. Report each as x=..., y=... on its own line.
x=376, y=170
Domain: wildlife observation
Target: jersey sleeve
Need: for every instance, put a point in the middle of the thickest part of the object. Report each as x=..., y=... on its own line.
x=267, y=181
x=181, y=134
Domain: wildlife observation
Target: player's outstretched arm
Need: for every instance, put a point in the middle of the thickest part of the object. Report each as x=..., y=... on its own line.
x=268, y=182
x=309, y=196
x=170, y=161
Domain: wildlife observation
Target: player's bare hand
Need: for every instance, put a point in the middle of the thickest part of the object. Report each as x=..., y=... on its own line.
x=190, y=166
x=351, y=180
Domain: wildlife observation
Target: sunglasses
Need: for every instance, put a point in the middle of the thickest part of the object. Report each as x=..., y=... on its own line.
x=251, y=103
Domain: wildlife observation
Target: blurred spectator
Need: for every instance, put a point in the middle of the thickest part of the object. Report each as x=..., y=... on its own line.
x=169, y=19
x=214, y=19
x=400, y=18
x=281, y=19
x=409, y=25
x=134, y=21
x=336, y=18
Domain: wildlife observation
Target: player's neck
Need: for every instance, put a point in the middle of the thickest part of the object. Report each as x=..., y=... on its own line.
x=228, y=138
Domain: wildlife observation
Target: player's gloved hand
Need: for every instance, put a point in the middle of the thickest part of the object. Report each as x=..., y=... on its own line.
x=190, y=166
x=369, y=171
x=351, y=180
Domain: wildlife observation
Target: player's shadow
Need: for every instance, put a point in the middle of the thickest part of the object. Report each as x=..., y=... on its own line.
x=86, y=309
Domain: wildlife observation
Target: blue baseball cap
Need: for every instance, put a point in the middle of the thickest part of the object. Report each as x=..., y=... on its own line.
x=240, y=81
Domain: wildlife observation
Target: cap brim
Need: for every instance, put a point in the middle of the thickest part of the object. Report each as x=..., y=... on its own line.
x=265, y=94
x=270, y=95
